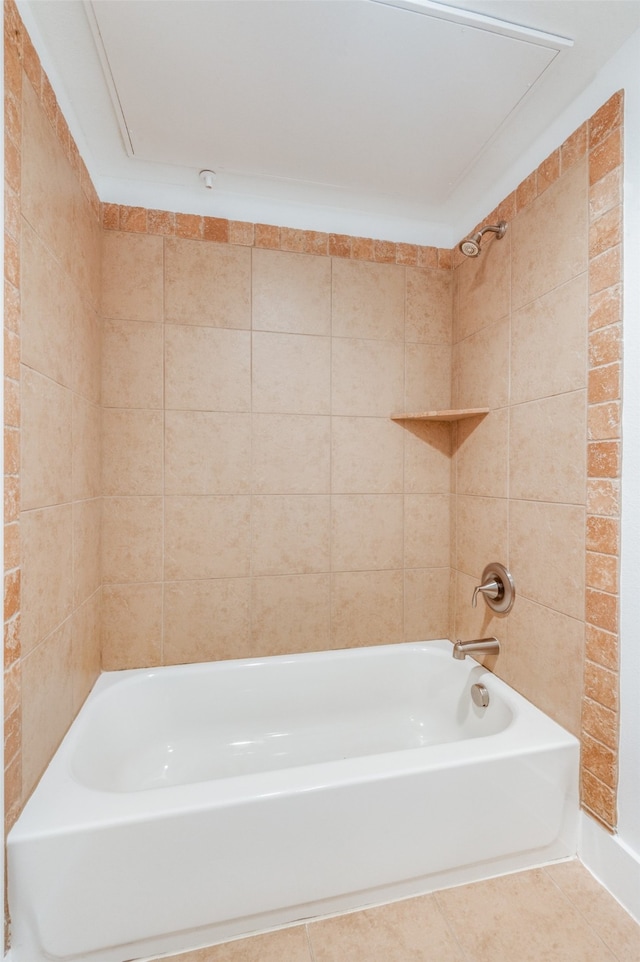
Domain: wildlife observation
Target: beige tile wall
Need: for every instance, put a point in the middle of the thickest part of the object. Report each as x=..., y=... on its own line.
x=537, y=338
x=52, y=422
x=520, y=310
x=257, y=497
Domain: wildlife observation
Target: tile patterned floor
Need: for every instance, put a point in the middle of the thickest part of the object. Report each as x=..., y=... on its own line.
x=553, y=914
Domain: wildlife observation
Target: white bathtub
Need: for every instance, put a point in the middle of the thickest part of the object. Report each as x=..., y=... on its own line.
x=193, y=804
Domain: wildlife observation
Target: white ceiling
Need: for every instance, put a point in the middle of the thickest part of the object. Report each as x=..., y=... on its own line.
x=350, y=115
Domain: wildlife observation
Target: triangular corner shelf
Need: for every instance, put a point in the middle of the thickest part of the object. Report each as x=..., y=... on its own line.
x=455, y=415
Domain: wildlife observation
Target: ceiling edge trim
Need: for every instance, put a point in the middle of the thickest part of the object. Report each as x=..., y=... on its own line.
x=108, y=77
x=441, y=11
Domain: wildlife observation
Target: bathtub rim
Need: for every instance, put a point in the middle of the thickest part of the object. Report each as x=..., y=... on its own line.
x=61, y=804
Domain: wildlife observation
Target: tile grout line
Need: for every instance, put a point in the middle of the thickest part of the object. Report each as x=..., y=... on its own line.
x=450, y=928
x=250, y=567
x=164, y=453
x=330, y=579
x=579, y=912
x=310, y=949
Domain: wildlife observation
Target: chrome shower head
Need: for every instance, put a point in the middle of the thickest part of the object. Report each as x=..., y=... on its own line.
x=470, y=246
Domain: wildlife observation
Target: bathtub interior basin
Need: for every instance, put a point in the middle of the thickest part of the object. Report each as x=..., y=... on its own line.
x=196, y=723
x=194, y=804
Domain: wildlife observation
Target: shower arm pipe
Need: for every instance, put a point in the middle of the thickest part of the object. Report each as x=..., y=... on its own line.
x=470, y=246
x=498, y=229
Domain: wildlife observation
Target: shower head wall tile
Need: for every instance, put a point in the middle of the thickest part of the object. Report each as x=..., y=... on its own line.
x=428, y=311
x=86, y=454
x=482, y=287
x=46, y=439
x=207, y=452
x=481, y=367
x=291, y=613
x=481, y=532
x=482, y=456
x=366, y=608
x=366, y=456
x=546, y=549
x=366, y=532
x=290, y=454
x=207, y=368
x=47, y=579
x=132, y=462
x=290, y=534
x=368, y=300
x=560, y=422
x=291, y=373
x=367, y=377
x=132, y=364
x=206, y=537
x=49, y=310
x=131, y=626
x=291, y=292
x=427, y=377
x=206, y=620
x=132, y=286
x=132, y=540
x=546, y=329
x=207, y=284
x=549, y=238
x=87, y=549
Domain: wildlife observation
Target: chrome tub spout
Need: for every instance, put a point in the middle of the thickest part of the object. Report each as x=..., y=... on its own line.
x=486, y=646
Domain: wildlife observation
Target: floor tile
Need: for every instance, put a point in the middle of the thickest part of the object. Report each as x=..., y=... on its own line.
x=287, y=945
x=520, y=918
x=409, y=931
x=559, y=913
x=614, y=926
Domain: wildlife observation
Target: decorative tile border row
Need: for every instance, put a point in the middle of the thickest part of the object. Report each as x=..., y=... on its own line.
x=600, y=705
x=139, y=220
x=14, y=34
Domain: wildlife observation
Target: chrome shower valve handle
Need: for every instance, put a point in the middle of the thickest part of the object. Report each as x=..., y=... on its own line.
x=492, y=589
x=497, y=588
